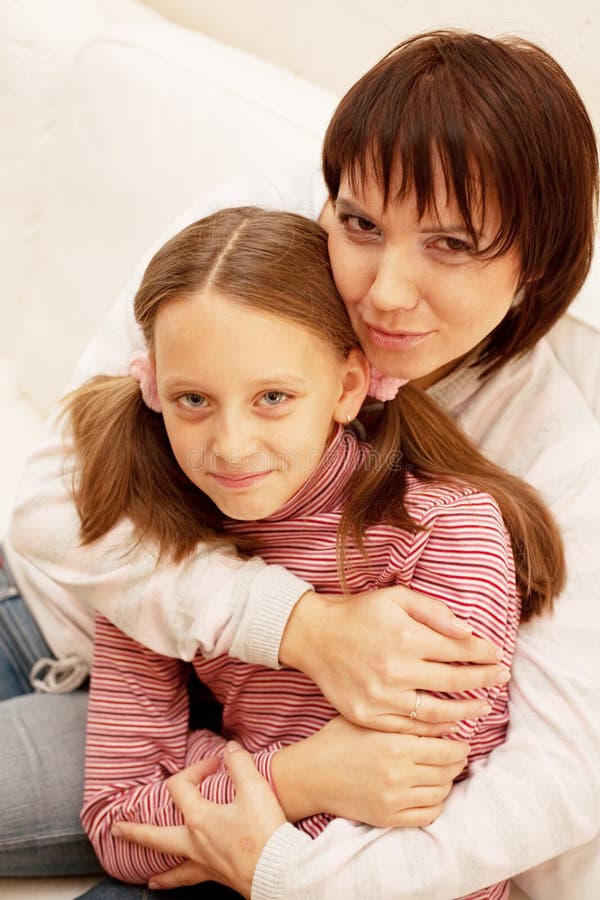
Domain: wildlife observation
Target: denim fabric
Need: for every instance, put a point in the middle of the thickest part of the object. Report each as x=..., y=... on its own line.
x=43, y=741
x=21, y=641
x=117, y=890
x=42, y=757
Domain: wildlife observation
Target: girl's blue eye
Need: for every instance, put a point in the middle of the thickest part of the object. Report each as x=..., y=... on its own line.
x=273, y=398
x=193, y=401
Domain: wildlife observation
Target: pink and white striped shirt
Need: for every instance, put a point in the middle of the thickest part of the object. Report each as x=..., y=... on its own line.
x=138, y=732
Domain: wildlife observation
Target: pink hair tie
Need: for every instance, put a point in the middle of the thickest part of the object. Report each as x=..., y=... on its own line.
x=142, y=370
x=384, y=387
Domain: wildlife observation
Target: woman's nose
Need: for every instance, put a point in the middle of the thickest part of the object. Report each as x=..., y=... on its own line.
x=395, y=283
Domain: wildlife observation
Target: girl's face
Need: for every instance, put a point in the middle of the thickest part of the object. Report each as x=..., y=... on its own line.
x=418, y=299
x=249, y=399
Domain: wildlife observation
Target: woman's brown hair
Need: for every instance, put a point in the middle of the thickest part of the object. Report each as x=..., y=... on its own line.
x=507, y=126
x=276, y=262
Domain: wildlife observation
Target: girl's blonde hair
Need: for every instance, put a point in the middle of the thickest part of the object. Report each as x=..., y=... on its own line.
x=276, y=262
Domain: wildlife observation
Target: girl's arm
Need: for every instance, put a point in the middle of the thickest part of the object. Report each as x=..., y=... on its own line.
x=138, y=737
x=464, y=555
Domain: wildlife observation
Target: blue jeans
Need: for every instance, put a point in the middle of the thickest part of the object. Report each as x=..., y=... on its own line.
x=42, y=756
x=117, y=890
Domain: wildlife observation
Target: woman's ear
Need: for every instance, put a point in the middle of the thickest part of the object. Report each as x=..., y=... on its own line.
x=355, y=383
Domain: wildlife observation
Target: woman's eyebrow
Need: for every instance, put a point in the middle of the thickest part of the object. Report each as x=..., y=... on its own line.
x=345, y=205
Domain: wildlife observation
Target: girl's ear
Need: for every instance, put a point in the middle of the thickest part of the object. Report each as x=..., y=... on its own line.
x=355, y=382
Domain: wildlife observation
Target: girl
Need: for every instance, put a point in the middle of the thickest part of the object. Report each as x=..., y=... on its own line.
x=509, y=108
x=238, y=433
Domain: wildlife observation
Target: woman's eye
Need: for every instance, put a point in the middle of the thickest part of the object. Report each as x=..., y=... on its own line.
x=192, y=401
x=357, y=224
x=273, y=398
x=453, y=245
x=364, y=224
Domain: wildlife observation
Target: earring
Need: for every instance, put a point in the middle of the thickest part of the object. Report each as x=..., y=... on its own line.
x=348, y=419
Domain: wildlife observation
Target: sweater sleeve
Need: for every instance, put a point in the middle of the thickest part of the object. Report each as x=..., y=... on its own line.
x=137, y=737
x=538, y=794
x=166, y=608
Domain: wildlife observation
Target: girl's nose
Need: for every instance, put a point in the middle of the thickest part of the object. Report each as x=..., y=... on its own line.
x=234, y=439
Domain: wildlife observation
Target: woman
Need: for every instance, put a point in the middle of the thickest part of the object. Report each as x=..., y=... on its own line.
x=510, y=136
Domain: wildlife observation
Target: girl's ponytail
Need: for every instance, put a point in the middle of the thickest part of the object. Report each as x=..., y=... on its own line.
x=125, y=467
x=414, y=434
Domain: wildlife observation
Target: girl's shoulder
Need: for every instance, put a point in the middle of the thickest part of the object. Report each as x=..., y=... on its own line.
x=427, y=501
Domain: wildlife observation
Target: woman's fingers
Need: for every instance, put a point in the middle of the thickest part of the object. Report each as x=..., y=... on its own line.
x=186, y=874
x=252, y=790
x=172, y=839
x=406, y=725
x=429, y=611
x=443, y=710
x=434, y=716
x=183, y=787
x=453, y=679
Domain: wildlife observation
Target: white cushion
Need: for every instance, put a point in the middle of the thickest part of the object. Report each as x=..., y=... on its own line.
x=149, y=116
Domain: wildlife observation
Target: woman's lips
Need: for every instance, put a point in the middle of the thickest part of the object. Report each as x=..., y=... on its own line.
x=239, y=481
x=395, y=340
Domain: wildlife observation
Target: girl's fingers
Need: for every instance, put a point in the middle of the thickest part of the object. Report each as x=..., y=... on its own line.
x=415, y=818
x=430, y=796
x=438, y=752
x=434, y=776
x=164, y=839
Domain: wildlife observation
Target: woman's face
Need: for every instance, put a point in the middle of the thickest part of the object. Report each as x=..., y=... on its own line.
x=418, y=299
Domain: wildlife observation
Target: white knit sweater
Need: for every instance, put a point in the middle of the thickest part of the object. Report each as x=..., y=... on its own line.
x=537, y=796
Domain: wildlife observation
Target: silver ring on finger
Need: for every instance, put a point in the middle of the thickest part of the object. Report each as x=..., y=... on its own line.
x=415, y=709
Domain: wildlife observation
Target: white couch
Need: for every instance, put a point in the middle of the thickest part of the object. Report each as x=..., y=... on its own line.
x=113, y=120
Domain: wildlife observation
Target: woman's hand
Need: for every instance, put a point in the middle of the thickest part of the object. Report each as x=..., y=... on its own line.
x=222, y=842
x=370, y=652
x=379, y=778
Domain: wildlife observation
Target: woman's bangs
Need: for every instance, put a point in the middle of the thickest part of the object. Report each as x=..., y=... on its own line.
x=429, y=131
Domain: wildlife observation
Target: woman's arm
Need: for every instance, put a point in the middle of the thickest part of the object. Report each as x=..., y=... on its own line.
x=355, y=855
x=138, y=736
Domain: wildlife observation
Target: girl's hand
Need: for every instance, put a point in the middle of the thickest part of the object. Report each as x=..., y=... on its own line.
x=370, y=652
x=222, y=842
x=379, y=778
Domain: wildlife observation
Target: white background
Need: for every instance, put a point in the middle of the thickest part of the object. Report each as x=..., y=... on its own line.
x=332, y=42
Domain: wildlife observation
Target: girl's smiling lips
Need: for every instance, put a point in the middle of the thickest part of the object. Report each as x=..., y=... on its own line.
x=395, y=340
x=242, y=480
